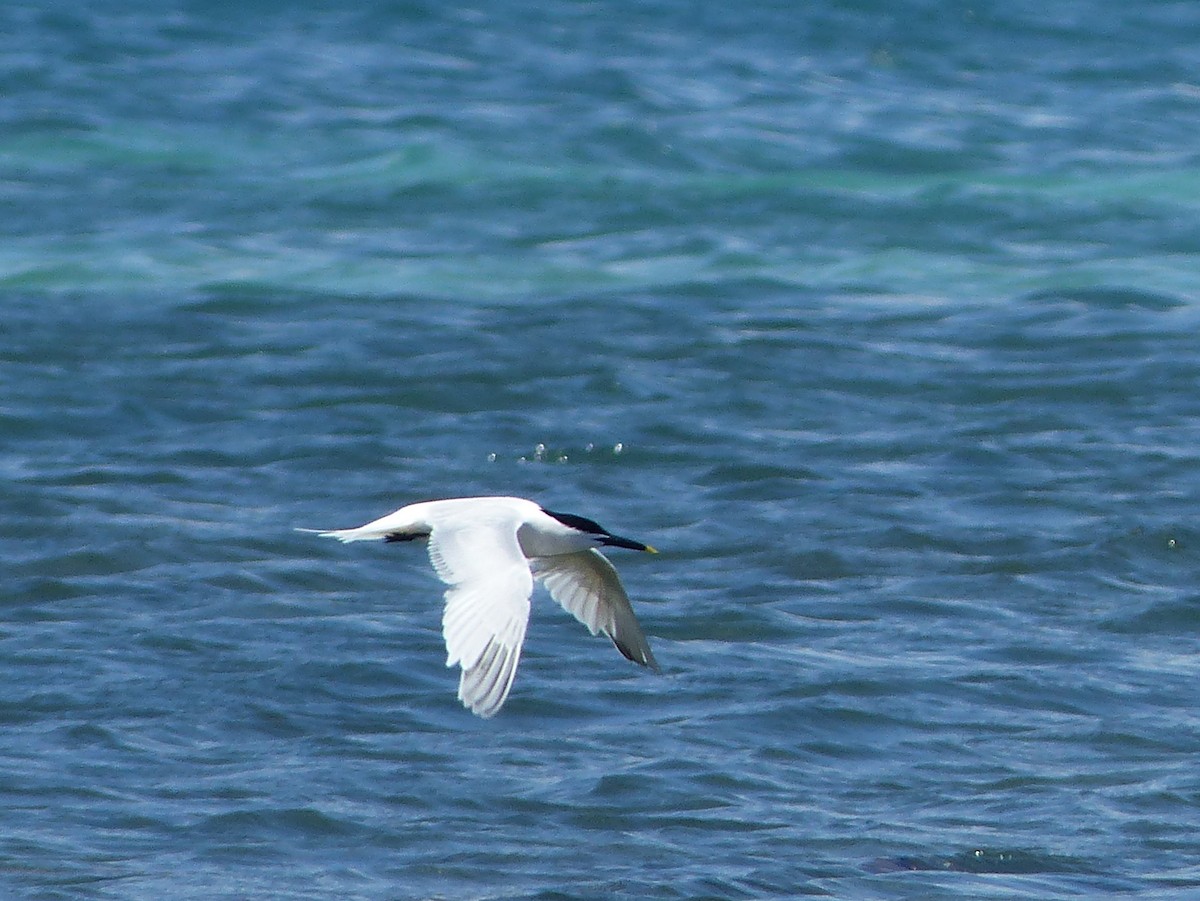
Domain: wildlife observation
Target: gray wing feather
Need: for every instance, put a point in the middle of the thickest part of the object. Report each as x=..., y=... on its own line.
x=587, y=586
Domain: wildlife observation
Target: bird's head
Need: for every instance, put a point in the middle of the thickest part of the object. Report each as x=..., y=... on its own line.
x=598, y=533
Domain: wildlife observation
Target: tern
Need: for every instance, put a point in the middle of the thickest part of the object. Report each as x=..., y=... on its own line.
x=490, y=550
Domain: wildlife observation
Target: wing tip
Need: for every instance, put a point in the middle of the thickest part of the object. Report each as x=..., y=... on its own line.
x=485, y=685
x=639, y=654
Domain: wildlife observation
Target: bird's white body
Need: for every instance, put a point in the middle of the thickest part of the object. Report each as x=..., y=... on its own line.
x=489, y=550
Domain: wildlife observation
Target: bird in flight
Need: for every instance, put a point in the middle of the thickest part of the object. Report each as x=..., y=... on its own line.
x=490, y=550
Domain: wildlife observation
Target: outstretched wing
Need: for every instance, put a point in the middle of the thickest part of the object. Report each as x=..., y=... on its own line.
x=588, y=587
x=487, y=604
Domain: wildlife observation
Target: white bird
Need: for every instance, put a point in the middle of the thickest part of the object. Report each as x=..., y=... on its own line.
x=489, y=550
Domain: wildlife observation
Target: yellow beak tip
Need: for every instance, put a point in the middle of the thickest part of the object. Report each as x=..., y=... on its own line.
x=650, y=550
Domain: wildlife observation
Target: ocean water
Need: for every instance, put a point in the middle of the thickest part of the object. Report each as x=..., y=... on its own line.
x=878, y=319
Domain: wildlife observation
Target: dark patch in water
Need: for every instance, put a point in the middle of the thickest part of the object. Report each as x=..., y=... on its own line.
x=979, y=860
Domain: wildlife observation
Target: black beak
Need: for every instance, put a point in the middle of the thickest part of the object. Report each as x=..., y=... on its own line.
x=618, y=541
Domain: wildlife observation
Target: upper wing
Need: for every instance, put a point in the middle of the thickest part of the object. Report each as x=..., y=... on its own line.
x=587, y=586
x=487, y=604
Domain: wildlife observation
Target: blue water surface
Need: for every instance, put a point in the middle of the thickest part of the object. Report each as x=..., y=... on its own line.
x=878, y=320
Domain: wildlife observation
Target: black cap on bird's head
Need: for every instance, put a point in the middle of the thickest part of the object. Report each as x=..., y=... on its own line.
x=601, y=534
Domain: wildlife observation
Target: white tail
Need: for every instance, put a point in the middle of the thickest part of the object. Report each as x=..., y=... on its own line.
x=344, y=535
